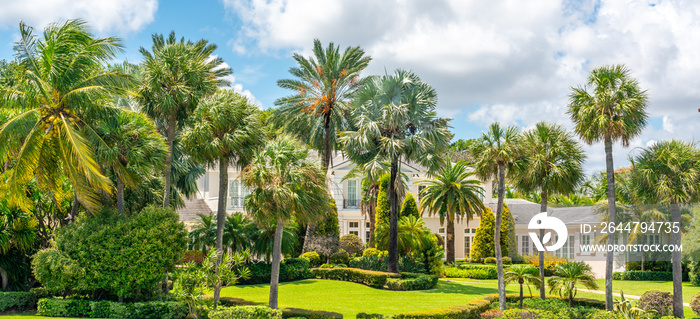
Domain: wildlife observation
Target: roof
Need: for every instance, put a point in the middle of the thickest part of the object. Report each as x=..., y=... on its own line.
x=193, y=207
x=523, y=210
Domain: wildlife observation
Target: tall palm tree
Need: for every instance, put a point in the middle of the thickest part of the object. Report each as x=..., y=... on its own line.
x=225, y=129
x=396, y=121
x=65, y=84
x=452, y=195
x=203, y=234
x=669, y=173
x=496, y=151
x=284, y=184
x=412, y=235
x=237, y=232
x=614, y=110
x=568, y=275
x=132, y=148
x=552, y=164
x=176, y=76
x=523, y=274
x=320, y=108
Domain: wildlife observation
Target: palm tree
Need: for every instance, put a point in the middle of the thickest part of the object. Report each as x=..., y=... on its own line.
x=552, y=164
x=65, y=84
x=132, y=148
x=523, y=274
x=396, y=121
x=320, y=108
x=615, y=110
x=262, y=241
x=669, y=173
x=203, y=234
x=225, y=129
x=412, y=233
x=568, y=275
x=452, y=195
x=237, y=232
x=176, y=76
x=284, y=184
x=495, y=151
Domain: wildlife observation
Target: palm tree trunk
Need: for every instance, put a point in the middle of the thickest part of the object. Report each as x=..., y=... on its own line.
x=310, y=229
x=676, y=263
x=220, y=218
x=120, y=195
x=74, y=207
x=497, y=236
x=276, y=257
x=543, y=208
x=611, y=219
x=393, y=265
x=170, y=138
x=571, y=296
x=3, y=279
x=521, y=295
x=450, y=240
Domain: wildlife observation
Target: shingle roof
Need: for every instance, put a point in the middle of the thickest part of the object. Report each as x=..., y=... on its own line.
x=523, y=210
x=193, y=207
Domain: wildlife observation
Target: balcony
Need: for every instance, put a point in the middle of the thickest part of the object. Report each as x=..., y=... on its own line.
x=351, y=203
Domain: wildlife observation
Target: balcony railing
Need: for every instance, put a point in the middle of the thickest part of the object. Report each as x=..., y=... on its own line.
x=351, y=203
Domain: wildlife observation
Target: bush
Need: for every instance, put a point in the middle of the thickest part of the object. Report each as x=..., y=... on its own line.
x=659, y=301
x=113, y=254
x=470, y=310
x=53, y=307
x=528, y=314
x=340, y=257
x=409, y=207
x=695, y=303
x=309, y=314
x=313, y=257
x=291, y=269
x=483, y=245
x=17, y=300
x=412, y=281
x=492, y=314
x=370, y=278
x=246, y=312
x=484, y=272
x=646, y=275
x=327, y=266
x=507, y=260
x=194, y=256
x=375, y=252
x=490, y=260
x=363, y=315
x=352, y=244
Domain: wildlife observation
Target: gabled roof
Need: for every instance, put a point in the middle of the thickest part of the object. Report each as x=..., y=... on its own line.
x=523, y=210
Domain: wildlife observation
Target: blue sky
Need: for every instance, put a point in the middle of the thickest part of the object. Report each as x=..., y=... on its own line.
x=507, y=61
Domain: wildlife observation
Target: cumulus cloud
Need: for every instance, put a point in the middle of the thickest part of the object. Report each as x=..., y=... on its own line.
x=122, y=16
x=504, y=60
x=237, y=87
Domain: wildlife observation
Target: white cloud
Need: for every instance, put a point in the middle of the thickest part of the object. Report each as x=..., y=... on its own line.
x=237, y=87
x=122, y=16
x=506, y=60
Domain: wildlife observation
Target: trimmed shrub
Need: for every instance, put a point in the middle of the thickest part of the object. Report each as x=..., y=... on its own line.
x=370, y=278
x=470, y=310
x=246, y=312
x=313, y=257
x=484, y=272
x=17, y=300
x=695, y=303
x=352, y=244
x=309, y=314
x=659, y=301
x=412, y=281
x=490, y=260
x=528, y=314
x=507, y=260
x=54, y=307
x=374, y=252
x=483, y=245
x=646, y=275
x=409, y=207
x=363, y=315
x=327, y=266
x=340, y=257
x=492, y=314
x=291, y=269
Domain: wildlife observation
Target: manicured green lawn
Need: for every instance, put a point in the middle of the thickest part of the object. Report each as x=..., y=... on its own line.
x=351, y=298
x=30, y=316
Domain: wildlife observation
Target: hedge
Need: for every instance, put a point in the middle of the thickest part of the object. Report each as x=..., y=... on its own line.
x=370, y=278
x=470, y=310
x=647, y=275
x=472, y=272
x=310, y=314
x=412, y=281
x=17, y=300
x=54, y=307
x=246, y=312
x=291, y=269
x=695, y=303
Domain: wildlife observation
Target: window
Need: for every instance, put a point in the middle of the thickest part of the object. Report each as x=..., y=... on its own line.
x=467, y=246
x=367, y=225
x=652, y=240
x=420, y=190
x=525, y=245
x=566, y=251
x=354, y=224
x=367, y=235
x=470, y=230
x=571, y=247
x=352, y=189
x=585, y=239
x=233, y=194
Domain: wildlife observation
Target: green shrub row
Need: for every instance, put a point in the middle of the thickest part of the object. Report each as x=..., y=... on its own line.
x=380, y=263
x=412, y=281
x=246, y=312
x=309, y=314
x=474, y=273
x=370, y=278
x=17, y=300
x=291, y=269
x=492, y=260
x=54, y=307
x=471, y=310
x=646, y=275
